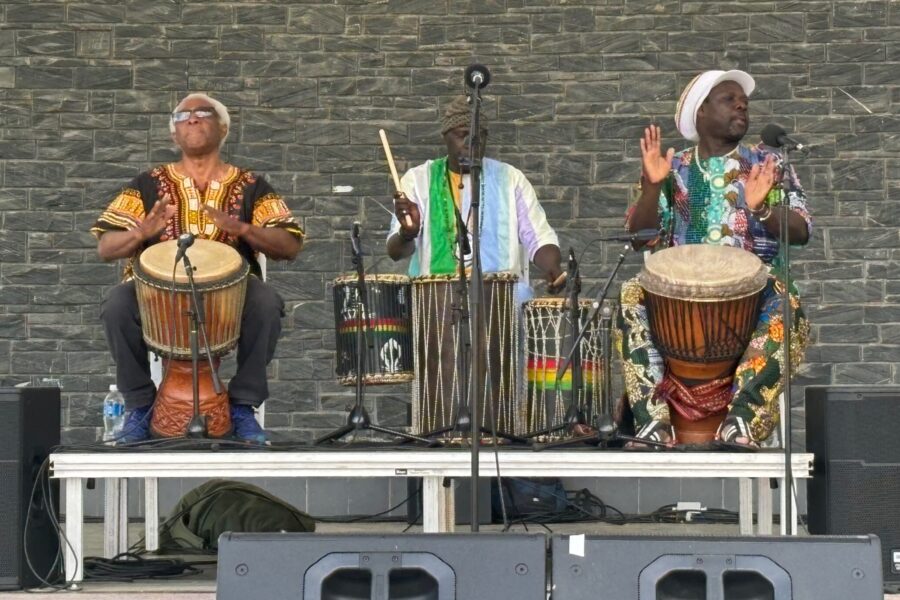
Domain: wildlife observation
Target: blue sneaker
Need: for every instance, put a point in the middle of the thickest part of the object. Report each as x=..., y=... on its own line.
x=245, y=426
x=136, y=427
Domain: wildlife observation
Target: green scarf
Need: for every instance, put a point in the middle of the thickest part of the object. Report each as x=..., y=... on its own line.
x=441, y=220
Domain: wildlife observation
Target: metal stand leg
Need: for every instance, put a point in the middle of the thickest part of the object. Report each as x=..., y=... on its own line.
x=74, y=529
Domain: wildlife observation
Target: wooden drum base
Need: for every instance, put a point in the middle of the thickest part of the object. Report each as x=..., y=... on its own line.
x=696, y=432
x=174, y=404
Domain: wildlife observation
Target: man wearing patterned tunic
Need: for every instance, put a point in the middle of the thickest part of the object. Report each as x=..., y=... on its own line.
x=716, y=192
x=202, y=195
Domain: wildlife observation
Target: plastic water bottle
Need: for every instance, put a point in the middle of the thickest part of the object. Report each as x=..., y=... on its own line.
x=113, y=414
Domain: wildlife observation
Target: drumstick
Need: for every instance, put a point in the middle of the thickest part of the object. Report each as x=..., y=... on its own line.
x=393, y=167
x=560, y=280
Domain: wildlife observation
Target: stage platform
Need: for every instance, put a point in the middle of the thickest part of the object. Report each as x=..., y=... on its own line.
x=750, y=469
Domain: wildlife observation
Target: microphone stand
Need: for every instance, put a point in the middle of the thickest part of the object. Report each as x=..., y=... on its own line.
x=197, y=427
x=359, y=419
x=786, y=186
x=476, y=381
x=607, y=431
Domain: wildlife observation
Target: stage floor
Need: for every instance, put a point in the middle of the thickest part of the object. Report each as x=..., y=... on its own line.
x=203, y=586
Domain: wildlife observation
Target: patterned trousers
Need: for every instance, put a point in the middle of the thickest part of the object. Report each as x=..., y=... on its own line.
x=757, y=379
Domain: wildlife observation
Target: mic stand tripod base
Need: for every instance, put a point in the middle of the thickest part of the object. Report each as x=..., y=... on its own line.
x=358, y=420
x=197, y=427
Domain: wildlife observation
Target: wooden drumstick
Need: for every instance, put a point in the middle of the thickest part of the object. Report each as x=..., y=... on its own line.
x=393, y=167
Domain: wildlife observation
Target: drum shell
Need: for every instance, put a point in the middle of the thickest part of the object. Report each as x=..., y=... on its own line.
x=546, y=327
x=388, y=352
x=164, y=307
x=438, y=378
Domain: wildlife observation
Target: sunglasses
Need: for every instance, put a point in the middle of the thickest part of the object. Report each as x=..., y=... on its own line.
x=201, y=112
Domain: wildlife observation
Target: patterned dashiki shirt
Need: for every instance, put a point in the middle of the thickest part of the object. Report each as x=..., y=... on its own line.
x=240, y=193
x=702, y=202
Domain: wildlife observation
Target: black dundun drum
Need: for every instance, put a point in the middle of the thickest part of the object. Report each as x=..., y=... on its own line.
x=388, y=347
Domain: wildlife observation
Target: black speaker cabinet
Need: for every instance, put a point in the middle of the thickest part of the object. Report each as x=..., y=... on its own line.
x=855, y=489
x=310, y=566
x=29, y=428
x=682, y=568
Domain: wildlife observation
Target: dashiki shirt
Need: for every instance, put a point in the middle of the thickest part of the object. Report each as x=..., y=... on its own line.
x=513, y=224
x=702, y=202
x=240, y=193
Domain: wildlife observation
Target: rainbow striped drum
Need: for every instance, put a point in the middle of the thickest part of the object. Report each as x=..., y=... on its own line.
x=388, y=346
x=546, y=327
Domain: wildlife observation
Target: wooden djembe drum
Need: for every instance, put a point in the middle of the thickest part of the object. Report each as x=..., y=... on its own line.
x=703, y=304
x=164, y=299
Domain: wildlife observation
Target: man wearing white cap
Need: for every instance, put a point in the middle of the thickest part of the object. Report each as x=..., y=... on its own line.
x=715, y=192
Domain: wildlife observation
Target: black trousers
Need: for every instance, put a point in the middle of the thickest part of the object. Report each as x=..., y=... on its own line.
x=260, y=328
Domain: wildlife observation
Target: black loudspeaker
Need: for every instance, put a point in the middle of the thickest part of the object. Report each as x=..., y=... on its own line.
x=310, y=566
x=681, y=568
x=855, y=489
x=29, y=428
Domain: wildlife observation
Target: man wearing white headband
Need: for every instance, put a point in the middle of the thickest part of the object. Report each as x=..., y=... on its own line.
x=714, y=192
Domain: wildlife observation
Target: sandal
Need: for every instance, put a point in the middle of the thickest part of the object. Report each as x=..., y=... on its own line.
x=655, y=431
x=733, y=428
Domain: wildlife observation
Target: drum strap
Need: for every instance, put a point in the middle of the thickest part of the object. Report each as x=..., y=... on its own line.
x=699, y=401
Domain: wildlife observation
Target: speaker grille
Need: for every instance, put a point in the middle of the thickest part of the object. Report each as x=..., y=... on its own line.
x=865, y=501
x=10, y=534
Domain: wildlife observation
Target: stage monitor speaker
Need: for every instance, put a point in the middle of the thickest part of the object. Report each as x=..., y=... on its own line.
x=29, y=428
x=855, y=489
x=683, y=568
x=311, y=566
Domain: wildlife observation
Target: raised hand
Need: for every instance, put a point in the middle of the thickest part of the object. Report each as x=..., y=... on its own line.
x=759, y=183
x=227, y=223
x=156, y=219
x=408, y=214
x=655, y=166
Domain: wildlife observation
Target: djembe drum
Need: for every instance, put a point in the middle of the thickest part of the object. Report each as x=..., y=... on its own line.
x=702, y=302
x=387, y=353
x=436, y=350
x=164, y=300
x=546, y=327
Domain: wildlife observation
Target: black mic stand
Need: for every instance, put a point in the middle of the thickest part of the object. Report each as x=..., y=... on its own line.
x=359, y=419
x=197, y=427
x=575, y=413
x=607, y=431
x=786, y=313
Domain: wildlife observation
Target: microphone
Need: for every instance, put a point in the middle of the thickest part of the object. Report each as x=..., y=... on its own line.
x=185, y=241
x=641, y=235
x=775, y=136
x=354, y=238
x=477, y=76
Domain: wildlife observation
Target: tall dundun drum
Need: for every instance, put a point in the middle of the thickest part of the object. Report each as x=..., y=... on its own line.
x=702, y=302
x=437, y=347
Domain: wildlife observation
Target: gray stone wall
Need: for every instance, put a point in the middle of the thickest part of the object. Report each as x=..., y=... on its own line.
x=85, y=88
